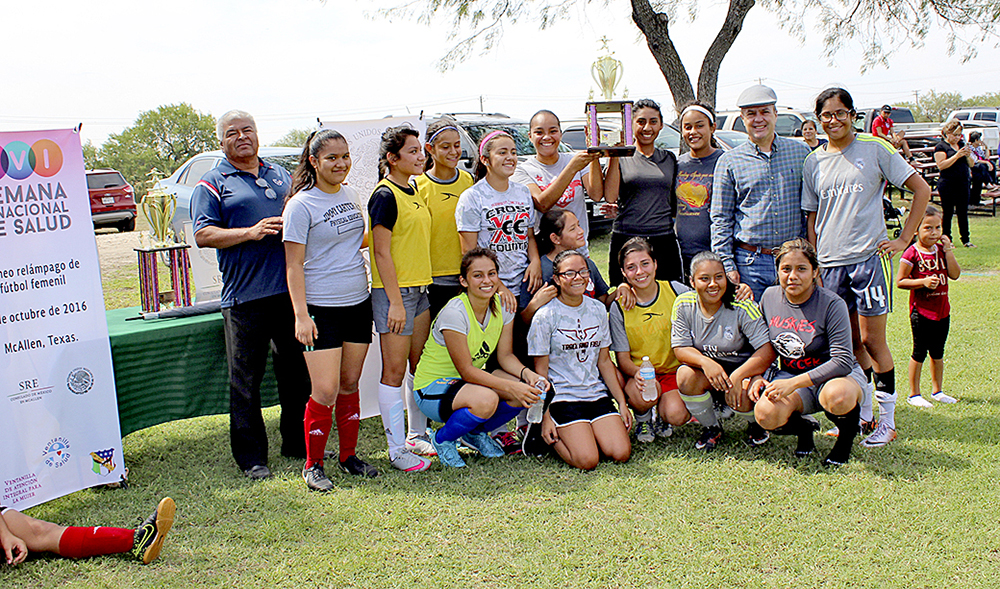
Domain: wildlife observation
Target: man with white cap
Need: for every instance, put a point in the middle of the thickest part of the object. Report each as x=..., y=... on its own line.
x=756, y=202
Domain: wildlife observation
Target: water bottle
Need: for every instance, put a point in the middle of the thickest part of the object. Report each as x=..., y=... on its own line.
x=648, y=374
x=535, y=411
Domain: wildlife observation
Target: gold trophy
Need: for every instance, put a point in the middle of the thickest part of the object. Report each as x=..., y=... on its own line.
x=607, y=72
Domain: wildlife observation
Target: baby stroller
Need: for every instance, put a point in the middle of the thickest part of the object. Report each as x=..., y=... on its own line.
x=893, y=218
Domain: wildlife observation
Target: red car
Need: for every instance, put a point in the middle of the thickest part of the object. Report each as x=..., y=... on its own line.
x=112, y=202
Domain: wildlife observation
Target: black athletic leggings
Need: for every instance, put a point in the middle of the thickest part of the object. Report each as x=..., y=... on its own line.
x=955, y=201
x=929, y=336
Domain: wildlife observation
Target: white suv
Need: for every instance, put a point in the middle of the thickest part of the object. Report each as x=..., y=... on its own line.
x=789, y=122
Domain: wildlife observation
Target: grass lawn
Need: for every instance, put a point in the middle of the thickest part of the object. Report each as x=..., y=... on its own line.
x=921, y=512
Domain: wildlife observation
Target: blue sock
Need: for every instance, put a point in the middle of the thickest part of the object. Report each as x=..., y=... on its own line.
x=460, y=423
x=501, y=416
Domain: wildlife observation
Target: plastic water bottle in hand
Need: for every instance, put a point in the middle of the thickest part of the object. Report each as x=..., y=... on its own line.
x=648, y=374
x=535, y=411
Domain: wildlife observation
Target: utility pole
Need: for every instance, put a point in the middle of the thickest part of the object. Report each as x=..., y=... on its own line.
x=481, y=103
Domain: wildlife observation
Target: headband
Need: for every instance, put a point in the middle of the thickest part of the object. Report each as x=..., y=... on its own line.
x=482, y=144
x=701, y=109
x=441, y=130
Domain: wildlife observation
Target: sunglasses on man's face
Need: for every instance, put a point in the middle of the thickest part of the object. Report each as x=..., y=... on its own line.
x=269, y=192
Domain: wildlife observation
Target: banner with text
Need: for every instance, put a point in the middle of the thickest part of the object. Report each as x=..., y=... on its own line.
x=59, y=427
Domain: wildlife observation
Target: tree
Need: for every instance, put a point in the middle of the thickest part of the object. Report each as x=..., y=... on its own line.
x=293, y=138
x=90, y=155
x=933, y=106
x=163, y=139
x=880, y=27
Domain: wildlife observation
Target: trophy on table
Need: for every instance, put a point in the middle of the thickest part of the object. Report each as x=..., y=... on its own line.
x=607, y=72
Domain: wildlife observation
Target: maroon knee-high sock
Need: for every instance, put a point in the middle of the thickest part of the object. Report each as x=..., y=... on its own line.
x=348, y=424
x=318, y=421
x=84, y=542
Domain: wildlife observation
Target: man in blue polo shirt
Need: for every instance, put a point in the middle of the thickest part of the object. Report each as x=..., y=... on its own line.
x=757, y=194
x=236, y=209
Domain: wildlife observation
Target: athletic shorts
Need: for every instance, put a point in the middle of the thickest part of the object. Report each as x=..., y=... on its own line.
x=865, y=286
x=810, y=395
x=337, y=325
x=435, y=400
x=565, y=413
x=415, y=302
x=668, y=381
x=929, y=336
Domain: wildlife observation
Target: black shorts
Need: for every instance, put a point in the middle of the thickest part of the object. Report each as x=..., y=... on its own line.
x=337, y=325
x=929, y=336
x=565, y=413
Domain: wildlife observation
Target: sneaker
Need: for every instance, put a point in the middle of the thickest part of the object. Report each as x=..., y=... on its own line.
x=644, y=432
x=969, y=244
x=509, y=442
x=316, y=478
x=882, y=435
x=447, y=453
x=149, y=535
x=918, y=401
x=532, y=443
x=355, y=466
x=941, y=397
x=756, y=435
x=484, y=444
x=407, y=461
x=257, y=472
x=420, y=444
x=710, y=437
x=662, y=429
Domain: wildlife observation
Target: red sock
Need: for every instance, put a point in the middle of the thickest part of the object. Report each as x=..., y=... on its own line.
x=348, y=423
x=318, y=422
x=84, y=542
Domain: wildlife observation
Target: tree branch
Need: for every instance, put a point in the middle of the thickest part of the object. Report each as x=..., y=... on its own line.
x=655, y=27
x=708, y=78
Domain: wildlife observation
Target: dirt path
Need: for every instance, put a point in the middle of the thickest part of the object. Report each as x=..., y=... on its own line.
x=115, y=250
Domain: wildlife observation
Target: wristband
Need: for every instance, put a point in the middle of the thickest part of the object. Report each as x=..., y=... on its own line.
x=521, y=378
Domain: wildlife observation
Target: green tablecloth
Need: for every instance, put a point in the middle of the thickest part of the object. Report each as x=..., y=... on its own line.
x=167, y=369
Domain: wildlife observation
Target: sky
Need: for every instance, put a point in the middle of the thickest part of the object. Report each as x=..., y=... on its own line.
x=291, y=62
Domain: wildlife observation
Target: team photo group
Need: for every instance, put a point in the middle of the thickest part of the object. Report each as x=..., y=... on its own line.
x=748, y=286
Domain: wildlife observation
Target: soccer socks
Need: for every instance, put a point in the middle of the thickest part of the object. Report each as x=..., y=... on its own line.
x=700, y=406
x=318, y=421
x=348, y=412
x=84, y=542
x=501, y=416
x=885, y=392
x=459, y=423
x=849, y=428
x=866, y=412
x=390, y=405
x=747, y=415
x=415, y=419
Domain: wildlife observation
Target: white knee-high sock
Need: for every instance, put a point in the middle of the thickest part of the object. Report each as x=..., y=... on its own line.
x=867, y=392
x=390, y=405
x=415, y=419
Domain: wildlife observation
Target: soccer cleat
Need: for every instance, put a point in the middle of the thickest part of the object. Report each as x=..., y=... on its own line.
x=509, y=442
x=316, y=479
x=756, y=435
x=484, y=444
x=258, y=472
x=941, y=397
x=710, y=438
x=148, y=540
x=644, y=432
x=882, y=435
x=420, y=444
x=532, y=443
x=447, y=453
x=918, y=401
x=662, y=429
x=867, y=427
x=355, y=466
x=407, y=461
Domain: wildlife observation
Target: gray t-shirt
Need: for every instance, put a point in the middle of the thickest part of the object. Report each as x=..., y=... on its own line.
x=572, y=338
x=454, y=317
x=502, y=221
x=332, y=228
x=844, y=189
x=532, y=171
x=694, y=198
x=646, y=194
x=730, y=336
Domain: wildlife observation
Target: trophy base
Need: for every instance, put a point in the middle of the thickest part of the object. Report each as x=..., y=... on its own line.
x=616, y=151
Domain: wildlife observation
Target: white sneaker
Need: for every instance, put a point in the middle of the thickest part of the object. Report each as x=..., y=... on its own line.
x=644, y=432
x=941, y=397
x=882, y=435
x=420, y=444
x=918, y=401
x=407, y=461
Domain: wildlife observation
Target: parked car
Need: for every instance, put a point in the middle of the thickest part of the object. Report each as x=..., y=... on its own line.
x=789, y=123
x=112, y=201
x=574, y=134
x=184, y=178
x=730, y=139
x=985, y=119
x=986, y=114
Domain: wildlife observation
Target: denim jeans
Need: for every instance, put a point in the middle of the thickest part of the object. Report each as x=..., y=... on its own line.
x=756, y=271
